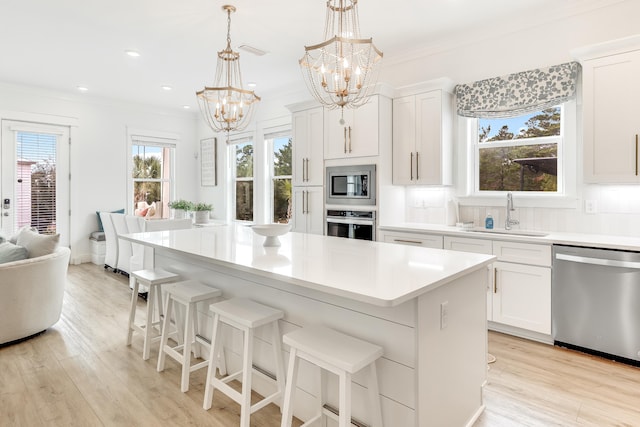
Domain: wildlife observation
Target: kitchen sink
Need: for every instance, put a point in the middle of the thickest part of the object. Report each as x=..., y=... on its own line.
x=508, y=232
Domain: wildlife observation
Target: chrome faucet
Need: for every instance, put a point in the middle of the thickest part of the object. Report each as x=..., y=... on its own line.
x=509, y=222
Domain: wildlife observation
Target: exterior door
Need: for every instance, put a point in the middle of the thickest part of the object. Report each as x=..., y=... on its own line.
x=34, y=178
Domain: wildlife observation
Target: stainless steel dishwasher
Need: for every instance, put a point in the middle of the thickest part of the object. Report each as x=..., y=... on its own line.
x=596, y=301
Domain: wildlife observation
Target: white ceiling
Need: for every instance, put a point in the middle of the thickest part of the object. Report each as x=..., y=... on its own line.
x=62, y=44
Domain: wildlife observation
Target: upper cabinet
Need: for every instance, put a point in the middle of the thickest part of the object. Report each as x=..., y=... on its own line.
x=611, y=122
x=359, y=135
x=308, y=140
x=422, y=139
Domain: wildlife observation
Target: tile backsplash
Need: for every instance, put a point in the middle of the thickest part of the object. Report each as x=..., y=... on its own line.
x=603, y=209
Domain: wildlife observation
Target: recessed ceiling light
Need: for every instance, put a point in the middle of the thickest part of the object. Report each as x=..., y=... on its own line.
x=132, y=53
x=251, y=84
x=166, y=87
x=82, y=88
x=186, y=107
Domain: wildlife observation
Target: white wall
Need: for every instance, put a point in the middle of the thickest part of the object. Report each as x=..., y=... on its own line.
x=99, y=150
x=539, y=46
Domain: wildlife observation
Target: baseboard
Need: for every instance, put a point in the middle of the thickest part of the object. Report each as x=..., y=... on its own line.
x=522, y=333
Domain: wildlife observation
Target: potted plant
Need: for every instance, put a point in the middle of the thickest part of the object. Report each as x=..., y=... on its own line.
x=180, y=208
x=202, y=211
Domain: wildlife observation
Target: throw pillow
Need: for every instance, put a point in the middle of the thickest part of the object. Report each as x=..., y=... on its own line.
x=14, y=239
x=100, y=228
x=38, y=244
x=10, y=252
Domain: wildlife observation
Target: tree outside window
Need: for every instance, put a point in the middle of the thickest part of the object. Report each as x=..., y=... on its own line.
x=244, y=181
x=281, y=179
x=520, y=153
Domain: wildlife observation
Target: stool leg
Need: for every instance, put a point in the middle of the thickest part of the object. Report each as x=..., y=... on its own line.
x=374, y=396
x=149, y=327
x=277, y=352
x=211, y=371
x=165, y=332
x=159, y=306
x=186, y=349
x=196, y=344
x=245, y=406
x=133, y=283
x=289, y=390
x=344, y=419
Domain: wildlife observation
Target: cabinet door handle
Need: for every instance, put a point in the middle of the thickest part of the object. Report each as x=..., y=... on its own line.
x=307, y=169
x=636, y=154
x=307, y=202
x=411, y=165
x=413, y=242
x=417, y=167
x=495, y=280
x=303, y=193
x=350, y=139
x=345, y=139
x=304, y=175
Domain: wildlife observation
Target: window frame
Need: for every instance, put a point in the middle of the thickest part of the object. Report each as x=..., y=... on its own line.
x=232, y=147
x=558, y=139
x=151, y=139
x=269, y=138
x=467, y=167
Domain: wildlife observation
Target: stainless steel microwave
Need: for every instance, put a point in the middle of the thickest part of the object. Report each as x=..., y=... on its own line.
x=351, y=185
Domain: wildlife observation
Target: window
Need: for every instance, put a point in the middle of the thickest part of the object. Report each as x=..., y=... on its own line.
x=281, y=179
x=243, y=178
x=151, y=174
x=520, y=153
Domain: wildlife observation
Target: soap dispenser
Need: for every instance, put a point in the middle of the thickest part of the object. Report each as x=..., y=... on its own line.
x=488, y=222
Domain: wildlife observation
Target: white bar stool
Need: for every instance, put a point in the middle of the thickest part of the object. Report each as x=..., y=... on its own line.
x=245, y=315
x=340, y=354
x=188, y=293
x=152, y=279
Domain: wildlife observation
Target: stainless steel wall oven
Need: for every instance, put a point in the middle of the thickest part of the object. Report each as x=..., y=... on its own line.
x=351, y=224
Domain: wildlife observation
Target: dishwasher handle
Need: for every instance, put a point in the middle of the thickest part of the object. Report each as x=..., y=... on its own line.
x=599, y=261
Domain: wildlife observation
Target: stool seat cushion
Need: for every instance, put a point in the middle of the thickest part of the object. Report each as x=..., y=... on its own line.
x=155, y=276
x=246, y=312
x=343, y=351
x=189, y=291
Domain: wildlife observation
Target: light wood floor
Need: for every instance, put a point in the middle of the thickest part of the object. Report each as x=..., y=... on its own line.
x=81, y=373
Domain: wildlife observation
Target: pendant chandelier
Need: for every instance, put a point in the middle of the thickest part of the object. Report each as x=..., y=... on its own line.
x=227, y=106
x=341, y=71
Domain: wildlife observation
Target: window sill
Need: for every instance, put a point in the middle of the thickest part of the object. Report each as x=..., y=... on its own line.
x=522, y=200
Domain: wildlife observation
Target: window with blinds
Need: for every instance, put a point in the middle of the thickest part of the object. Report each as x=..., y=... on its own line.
x=35, y=192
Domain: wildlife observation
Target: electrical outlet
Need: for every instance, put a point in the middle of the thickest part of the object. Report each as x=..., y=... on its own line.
x=444, y=314
x=590, y=206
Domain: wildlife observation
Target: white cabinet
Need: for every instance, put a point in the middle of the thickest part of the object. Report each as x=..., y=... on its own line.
x=611, y=90
x=522, y=296
x=308, y=140
x=359, y=136
x=519, y=294
x=415, y=239
x=422, y=139
x=308, y=214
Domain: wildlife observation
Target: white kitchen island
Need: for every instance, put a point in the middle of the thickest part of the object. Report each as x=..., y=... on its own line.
x=425, y=307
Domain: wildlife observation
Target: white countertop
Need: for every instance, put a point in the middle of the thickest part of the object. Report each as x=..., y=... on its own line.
x=574, y=239
x=376, y=273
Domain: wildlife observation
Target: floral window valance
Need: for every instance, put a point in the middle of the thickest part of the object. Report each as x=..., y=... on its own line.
x=519, y=93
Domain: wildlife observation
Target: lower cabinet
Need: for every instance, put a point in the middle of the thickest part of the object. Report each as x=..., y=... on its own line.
x=522, y=296
x=414, y=239
x=519, y=291
x=308, y=210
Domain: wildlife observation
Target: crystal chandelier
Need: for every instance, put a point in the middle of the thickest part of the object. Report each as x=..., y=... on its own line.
x=227, y=106
x=341, y=71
